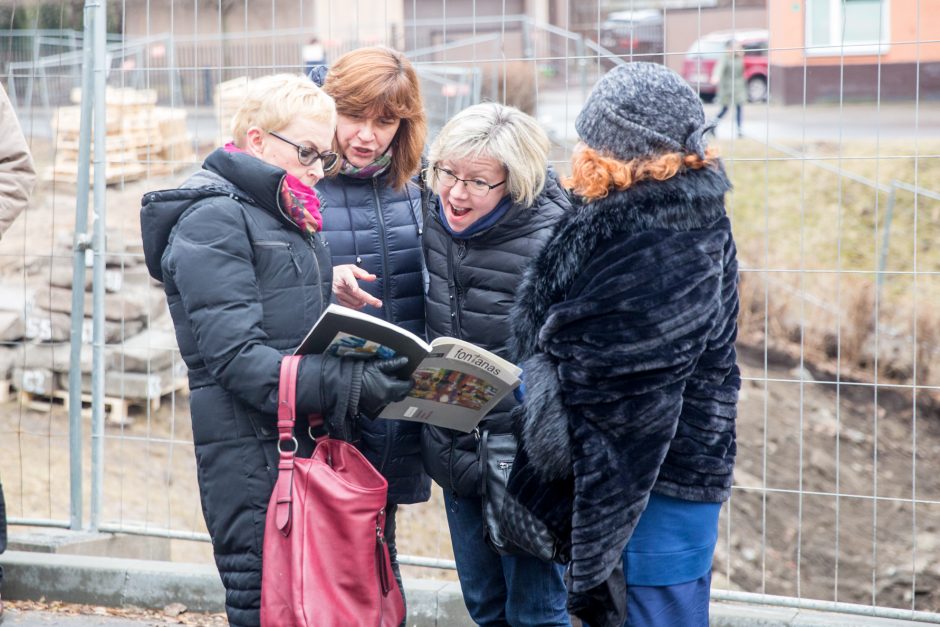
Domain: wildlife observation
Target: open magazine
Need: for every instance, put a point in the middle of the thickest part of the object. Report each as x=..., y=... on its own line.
x=456, y=383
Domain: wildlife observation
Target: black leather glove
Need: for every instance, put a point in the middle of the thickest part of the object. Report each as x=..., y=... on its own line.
x=380, y=387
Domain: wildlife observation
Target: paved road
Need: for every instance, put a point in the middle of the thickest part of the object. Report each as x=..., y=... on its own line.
x=557, y=110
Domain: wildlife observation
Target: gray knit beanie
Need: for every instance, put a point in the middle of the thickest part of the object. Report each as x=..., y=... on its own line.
x=643, y=109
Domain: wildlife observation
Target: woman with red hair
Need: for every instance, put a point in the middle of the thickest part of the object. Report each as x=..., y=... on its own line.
x=372, y=220
x=624, y=327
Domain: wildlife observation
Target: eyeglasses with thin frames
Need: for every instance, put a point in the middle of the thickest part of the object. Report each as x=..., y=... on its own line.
x=477, y=187
x=307, y=155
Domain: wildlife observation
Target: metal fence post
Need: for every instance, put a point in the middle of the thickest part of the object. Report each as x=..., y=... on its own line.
x=79, y=246
x=30, y=78
x=582, y=66
x=885, y=241
x=527, y=50
x=97, y=368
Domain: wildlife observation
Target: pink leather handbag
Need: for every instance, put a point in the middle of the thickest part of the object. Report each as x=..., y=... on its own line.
x=325, y=561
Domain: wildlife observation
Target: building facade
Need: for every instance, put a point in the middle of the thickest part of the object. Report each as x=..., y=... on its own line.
x=854, y=50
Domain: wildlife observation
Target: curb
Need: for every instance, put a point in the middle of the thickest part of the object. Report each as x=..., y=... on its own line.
x=110, y=581
x=120, y=582
x=726, y=614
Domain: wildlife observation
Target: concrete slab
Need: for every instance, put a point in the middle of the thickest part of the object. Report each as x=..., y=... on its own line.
x=45, y=619
x=65, y=541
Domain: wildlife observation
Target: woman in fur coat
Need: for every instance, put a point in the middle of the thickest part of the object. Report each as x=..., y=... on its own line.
x=625, y=328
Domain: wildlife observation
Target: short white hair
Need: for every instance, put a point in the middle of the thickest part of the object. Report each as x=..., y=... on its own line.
x=499, y=132
x=272, y=102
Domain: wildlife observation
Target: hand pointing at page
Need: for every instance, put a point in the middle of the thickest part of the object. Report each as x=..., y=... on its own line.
x=346, y=287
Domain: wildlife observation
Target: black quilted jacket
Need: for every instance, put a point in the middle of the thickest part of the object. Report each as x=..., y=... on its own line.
x=243, y=284
x=473, y=287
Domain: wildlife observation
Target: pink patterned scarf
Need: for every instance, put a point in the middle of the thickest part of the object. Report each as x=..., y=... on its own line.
x=299, y=200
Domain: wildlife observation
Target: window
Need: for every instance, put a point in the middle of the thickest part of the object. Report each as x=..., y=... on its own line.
x=836, y=27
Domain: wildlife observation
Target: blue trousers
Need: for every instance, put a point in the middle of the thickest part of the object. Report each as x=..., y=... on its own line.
x=684, y=604
x=502, y=590
x=668, y=563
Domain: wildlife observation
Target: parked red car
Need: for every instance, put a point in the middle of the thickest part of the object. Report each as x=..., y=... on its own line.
x=700, y=62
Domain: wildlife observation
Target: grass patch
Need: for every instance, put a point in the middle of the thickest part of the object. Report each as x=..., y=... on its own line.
x=811, y=241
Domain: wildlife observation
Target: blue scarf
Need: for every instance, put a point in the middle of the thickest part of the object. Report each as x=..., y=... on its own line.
x=480, y=225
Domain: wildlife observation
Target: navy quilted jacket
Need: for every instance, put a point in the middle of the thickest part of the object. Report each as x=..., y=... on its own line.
x=369, y=224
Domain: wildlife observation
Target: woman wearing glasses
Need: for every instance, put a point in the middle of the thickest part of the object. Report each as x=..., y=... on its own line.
x=246, y=274
x=498, y=203
x=372, y=219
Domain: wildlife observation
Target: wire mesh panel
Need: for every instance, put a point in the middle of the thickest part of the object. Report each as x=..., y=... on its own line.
x=835, y=162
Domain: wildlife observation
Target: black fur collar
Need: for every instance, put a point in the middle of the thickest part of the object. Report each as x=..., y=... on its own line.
x=691, y=200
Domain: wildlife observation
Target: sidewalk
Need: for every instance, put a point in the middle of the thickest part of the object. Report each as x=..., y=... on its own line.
x=116, y=582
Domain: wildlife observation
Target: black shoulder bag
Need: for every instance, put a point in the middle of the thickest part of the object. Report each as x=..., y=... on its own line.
x=497, y=453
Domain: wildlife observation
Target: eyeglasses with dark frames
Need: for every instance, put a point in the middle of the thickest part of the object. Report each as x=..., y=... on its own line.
x=307, y=155
x=477, y=187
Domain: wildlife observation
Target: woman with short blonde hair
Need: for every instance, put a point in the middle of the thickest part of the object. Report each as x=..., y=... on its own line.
x=504, y=133
x=497, y=205
x=246, y=274
x=273, y=102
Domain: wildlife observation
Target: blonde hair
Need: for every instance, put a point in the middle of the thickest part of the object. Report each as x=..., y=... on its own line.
x=272, y=102
x=593, y=175
x=380, y=82
x=499, y=132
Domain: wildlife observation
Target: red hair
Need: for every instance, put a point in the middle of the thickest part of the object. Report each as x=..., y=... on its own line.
x=380, y=82
x=593, y=175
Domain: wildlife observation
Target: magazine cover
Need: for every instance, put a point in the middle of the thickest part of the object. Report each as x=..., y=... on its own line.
x=456, y=385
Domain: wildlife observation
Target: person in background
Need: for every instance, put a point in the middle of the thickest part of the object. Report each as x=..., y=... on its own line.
x=372, y=220
x=246, y=274
x=313, y=54
x=17, y=173
x=17, y=177
x=732, y=90
x=624, y=327
x=497, y=204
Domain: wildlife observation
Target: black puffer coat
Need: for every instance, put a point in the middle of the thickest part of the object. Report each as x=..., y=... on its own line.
x=473, y=286
x=378, y=228
x=625, y=329
x=243, y=284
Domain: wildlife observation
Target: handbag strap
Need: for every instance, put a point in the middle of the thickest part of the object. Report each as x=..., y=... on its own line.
x=286, y=416
x=484, y=460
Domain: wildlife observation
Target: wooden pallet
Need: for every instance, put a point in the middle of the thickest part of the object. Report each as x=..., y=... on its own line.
x=138, y=132
x=117, y=411
x=66, y=171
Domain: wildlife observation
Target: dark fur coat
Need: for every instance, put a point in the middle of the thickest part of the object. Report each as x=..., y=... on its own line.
x=625, y=328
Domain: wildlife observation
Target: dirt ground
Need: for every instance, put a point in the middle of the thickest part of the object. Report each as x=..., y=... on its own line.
x=850, y=548
x=825, y=482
